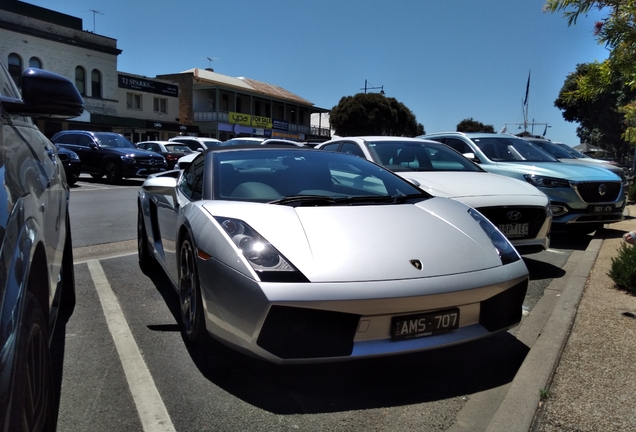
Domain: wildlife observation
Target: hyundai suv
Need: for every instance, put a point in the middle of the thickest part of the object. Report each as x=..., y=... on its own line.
x=582, y=198
x=110, y=154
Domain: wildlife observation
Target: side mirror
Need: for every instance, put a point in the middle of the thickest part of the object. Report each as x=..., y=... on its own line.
x=45, y=94
x=413, y=181
x=162, y=185
x=472, y=157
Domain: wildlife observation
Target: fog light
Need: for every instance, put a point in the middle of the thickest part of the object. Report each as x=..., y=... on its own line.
x=558, y=210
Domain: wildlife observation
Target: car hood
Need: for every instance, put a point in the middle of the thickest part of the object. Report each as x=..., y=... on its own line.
x=369, y=243
x=572, y=172
x=134, y=152
x=595, y=163
x=470, y=184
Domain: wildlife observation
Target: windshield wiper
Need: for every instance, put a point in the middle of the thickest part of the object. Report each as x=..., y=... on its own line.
x=306, y=200
x=321, y=200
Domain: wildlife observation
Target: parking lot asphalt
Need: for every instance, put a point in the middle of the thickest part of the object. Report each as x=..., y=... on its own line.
x=580, y=372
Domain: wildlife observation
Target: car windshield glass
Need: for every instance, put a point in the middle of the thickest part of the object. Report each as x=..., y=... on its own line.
x=402, y=156
x=243, y=141
x=178, y=148
x=553, y=149
x=271, y=175
x=113, y=140
x=210, y=143
x=577, y=154
x=504, y=149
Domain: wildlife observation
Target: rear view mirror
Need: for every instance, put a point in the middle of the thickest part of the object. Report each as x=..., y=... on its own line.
x=46, y=94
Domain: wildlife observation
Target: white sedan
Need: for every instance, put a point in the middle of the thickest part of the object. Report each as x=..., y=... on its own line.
x=518, y=209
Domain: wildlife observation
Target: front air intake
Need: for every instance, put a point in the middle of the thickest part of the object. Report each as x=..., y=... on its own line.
x=503, y=310
x=295, y=333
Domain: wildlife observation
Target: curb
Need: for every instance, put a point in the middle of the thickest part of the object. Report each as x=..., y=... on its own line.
x=521, y=402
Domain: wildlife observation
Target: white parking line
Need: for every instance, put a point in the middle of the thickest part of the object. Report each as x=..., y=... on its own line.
x=150, y=407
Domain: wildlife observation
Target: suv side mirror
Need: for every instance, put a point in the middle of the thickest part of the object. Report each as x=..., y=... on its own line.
x=45, y=94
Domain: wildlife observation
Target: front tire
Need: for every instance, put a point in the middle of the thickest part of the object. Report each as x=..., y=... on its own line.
x=113, y=173
x=190, y=299
x=33, y=406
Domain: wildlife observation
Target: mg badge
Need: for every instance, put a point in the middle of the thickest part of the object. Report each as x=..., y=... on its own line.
x=602, y=189
x=514, y=215
x=417, y=264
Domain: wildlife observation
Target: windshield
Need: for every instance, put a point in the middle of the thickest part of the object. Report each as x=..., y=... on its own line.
x=401, y=156
x=113, y=140
x=577, y=154
x=510, y=149
x=178, y=148
x=553, y=149
x=210, y=143
x=271, y=175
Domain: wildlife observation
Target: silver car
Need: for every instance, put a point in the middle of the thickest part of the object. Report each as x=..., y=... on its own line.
x=297, y=255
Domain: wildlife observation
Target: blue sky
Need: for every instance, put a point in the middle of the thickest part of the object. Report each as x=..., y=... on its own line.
x=446, y=60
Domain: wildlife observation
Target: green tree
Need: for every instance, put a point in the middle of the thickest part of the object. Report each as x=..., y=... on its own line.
x=599, y=113
x=617, y=31
x=470, y=125
x=373, y=114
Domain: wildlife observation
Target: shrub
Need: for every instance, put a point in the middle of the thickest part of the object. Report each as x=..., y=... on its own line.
x=623, y=268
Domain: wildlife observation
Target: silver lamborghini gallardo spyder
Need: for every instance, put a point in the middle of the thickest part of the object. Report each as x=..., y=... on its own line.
x=296, y=255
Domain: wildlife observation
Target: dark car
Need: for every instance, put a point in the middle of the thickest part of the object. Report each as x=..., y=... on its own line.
x=110, y=154
x=37, y=282
x=72, y=164
x=170, y=150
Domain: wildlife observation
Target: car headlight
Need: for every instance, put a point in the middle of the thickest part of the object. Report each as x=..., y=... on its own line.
x=128, y=159
x=270, y=265
x=546, y=182
x=73, y=156
x=507, y=253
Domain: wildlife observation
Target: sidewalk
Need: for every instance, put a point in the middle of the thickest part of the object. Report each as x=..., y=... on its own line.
x=584, y=379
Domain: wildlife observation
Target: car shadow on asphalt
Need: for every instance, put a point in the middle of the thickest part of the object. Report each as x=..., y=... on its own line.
x=407, y=379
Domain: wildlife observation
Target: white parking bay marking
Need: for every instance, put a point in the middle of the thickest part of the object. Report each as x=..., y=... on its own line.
x=152, y=411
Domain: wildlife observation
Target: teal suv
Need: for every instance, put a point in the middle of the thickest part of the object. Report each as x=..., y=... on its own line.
x=582, y=198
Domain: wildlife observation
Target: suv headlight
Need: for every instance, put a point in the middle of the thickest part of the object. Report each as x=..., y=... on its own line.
x=507, y=252
x=546, y=182
x=128, y=159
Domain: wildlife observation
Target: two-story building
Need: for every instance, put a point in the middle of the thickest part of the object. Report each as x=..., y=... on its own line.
x=225, y=107
x=197, y=102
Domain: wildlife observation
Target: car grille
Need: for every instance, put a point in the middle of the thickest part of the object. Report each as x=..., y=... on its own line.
x=504, y=309
x=590, y=192
x=149, y=161
x=294, y=333
x=533, y=216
